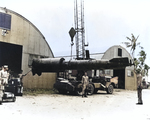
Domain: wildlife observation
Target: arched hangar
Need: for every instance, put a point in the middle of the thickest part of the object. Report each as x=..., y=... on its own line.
x=126, y=76
x=20, y=42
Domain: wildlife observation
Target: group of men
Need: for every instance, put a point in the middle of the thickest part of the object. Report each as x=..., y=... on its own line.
x=85, y=82
x=3, y=80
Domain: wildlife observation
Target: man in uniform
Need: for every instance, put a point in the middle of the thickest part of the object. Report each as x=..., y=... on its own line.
x=3, y=80
x=85, y=83
x=4, y=74
x=4, y=77
x=139, y=89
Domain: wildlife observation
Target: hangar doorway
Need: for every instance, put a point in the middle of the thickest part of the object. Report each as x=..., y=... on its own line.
x=11, y=55
x=121, y=77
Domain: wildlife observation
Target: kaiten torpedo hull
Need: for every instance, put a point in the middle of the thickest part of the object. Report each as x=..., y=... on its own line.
x=75, y=86
x=59, y=64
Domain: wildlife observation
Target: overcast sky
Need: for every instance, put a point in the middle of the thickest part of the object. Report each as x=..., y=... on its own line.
x=107, y=22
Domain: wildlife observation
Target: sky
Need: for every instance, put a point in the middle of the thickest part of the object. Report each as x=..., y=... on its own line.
x=107, y=22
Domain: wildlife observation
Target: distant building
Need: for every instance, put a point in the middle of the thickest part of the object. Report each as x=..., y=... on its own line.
x=127, y=78
x=20, y=42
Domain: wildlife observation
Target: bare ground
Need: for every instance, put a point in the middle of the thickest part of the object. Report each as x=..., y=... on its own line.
x=121, y=105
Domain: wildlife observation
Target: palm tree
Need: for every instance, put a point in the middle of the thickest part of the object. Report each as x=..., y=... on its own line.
x=132, y=44
x=139, y=63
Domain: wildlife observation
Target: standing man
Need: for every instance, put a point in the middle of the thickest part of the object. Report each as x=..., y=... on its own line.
x=139, y=89
x=3, y=80
x=4, y=74
x=85, y=83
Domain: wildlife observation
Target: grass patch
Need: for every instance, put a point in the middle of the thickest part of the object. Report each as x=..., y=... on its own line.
x=38, y=91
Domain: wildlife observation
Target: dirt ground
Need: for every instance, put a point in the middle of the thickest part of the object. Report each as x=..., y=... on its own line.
x=121, y=105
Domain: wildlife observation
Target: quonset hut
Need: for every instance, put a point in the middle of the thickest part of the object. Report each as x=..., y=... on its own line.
x=126, y=76
x=20, y=42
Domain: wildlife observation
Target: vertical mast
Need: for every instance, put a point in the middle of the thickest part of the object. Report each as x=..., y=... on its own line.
x=79, y=27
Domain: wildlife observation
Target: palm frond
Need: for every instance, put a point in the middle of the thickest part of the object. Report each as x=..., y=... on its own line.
x=138, y=43
x=141, y=47
x=129, y=38
x=126, y=43
x=129, y=46
x=137, y=37
x=133, y=38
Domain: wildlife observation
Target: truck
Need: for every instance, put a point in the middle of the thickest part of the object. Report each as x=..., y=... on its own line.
x=105, y=83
